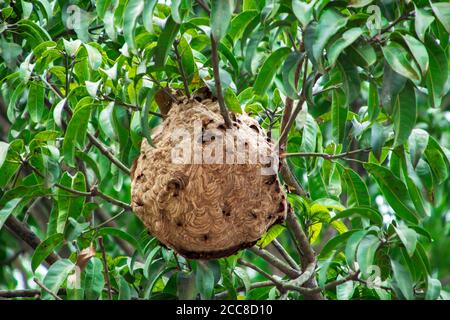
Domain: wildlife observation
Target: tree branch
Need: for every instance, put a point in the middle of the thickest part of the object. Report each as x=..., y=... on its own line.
x=326, y=156
x=22, y=231
x=277, y=263
x=105, y=267
x=180, y=67
x=40, y=284
x=215, y=65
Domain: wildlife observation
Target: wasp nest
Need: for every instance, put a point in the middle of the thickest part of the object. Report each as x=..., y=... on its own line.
x=212, y=202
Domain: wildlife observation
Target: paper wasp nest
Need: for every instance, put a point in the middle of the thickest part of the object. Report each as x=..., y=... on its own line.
x=206, y=210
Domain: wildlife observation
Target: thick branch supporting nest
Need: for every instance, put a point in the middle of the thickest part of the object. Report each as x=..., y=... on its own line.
x=207, y=210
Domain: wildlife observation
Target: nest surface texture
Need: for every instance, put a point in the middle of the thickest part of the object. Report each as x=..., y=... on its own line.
x=206, y=210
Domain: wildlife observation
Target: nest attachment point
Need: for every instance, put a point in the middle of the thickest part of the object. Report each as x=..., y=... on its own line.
x=206, y=210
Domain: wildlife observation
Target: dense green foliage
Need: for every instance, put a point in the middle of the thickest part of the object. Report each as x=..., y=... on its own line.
x=368, y=82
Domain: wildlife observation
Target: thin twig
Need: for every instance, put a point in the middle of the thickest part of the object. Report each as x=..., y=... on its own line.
x=40, y=284
x=220, y=99
x=105, y=267
x=180, y=67
x=277, y=263
x=286, y=256
x=326, y=156
x=277, y=282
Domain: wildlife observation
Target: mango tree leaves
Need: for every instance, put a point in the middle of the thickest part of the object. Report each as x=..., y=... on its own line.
x=94, y=281
x=437, y=73
x=361, y=211
x=35, y=103
x=303, y=11
x=76, y=133
x=56, y=275
x=165, y=41
x=269, y=70
x=358, y=193
x=204, y=280
x=221, y=12
x=45, y=248
x=400, y=61
x=422, y=21
x=394, y=190
x=348, y=37
x=408, y=237
x=405, y=112
x=147, y=15
x=318, y=33
x=339, y=110
x=403, y=279
x=366, y=253
x=418, y=51
x=69, y=205
x=442, y=12
x=417, y=142
x=133, y=10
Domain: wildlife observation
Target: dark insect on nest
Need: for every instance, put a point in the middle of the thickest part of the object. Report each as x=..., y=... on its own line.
x=206, y=210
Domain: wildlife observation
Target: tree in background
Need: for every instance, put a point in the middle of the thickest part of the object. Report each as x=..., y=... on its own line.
x=356, y=93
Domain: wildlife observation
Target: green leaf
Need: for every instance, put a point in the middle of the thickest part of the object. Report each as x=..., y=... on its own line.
x=352, y=245
x=394, y=190
x=403, y=279
x=7, y=210
x=35, y=103
x=418, y=51
x=404, y=114
x=408, y=237
x=400, y=61
x=437, y=160
x=221, y=12
x=434, y=287
x=3, y=152
x=165, y=42
x=124, y=290
x=69, y=205
x=44, y=249
x=345, y=291
x=145, y=128
x=240, y=22
x=348, y=37
x=269, y=69
x=187, y=58
x=204, y=280
x=417, y=142
x=179, y=9
x=318, y=33
x=274, y=232
x=442, y=12
x=232, y=101
x=94, y=56
x=94, y=281
x=186, y=289
x=373, y=101
x=147, y=15
x=422, y=21
x=362, y=54
x=56, y=275
x=106, y=121
x=339, y=110
x=303, y=11
x=132, y=12
x=366, y=253
x=149, y=260
x=76, y=133
x=437, y=74
x=361, y=211
x=120, y=234
x=359, y=3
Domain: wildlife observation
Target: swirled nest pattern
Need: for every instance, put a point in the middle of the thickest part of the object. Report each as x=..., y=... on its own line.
x=205, y=211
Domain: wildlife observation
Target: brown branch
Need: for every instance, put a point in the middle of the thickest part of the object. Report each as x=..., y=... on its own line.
x=286, y=256
x=276, y=282
x=22, y=231
x=104, y=150
x=180, y=67
x=277, y=263
x=105, y=267
x=220, y=99
x=40, y=284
